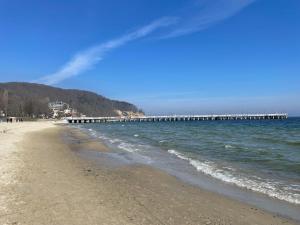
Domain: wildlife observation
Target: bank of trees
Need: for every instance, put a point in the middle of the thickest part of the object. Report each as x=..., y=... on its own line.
x=31, y=100
x=22, y=107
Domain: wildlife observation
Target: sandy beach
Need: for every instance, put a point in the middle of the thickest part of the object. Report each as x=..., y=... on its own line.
x=44, y=181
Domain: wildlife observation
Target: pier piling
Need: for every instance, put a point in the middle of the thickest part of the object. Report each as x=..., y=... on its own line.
x=79, y=120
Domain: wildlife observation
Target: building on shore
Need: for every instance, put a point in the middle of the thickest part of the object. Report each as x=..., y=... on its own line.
x=61, y=109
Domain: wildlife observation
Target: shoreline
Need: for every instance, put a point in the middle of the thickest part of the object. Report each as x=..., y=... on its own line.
x=130, y=151
x=54, y=185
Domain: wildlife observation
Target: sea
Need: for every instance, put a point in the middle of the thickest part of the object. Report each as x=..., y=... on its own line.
x=255, y=161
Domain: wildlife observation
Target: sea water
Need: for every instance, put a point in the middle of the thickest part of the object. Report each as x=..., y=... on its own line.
x=261, y=156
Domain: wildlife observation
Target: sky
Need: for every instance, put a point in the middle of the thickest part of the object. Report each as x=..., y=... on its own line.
x=167, y=57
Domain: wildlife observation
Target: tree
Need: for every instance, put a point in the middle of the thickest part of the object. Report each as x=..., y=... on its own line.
x=28, y=108
x=5, y=101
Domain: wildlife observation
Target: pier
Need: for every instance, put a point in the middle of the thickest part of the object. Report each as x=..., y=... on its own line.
x=78, y=120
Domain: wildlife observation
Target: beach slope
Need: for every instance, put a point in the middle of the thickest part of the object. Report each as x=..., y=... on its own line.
x=44, y=181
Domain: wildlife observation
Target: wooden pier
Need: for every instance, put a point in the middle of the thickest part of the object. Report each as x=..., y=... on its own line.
x=78, y=120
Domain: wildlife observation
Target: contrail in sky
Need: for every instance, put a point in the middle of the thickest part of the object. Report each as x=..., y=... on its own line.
x=205, y=13
x=202, y=15
x=83, y=61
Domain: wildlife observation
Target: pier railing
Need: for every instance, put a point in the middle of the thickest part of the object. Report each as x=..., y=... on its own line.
x=276, y=116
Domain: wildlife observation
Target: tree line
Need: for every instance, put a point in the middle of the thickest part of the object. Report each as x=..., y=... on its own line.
x=22, y=108
x=31, y=100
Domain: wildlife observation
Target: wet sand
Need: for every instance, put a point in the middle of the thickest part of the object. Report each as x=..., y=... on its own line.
x=44, y=181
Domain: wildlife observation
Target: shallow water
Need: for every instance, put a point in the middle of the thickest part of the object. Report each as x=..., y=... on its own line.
x=258, y=156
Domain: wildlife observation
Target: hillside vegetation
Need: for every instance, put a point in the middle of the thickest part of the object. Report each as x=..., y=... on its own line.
x=28, y=99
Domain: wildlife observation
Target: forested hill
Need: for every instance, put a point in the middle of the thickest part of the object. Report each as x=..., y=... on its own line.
x=25, y=99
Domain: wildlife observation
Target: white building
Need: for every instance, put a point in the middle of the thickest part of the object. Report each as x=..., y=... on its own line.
x=58, y=105
x=61, y=109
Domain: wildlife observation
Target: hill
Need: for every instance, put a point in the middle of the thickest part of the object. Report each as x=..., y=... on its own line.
x=28, y=99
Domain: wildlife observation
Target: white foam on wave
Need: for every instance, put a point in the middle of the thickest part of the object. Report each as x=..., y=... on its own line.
x=127, y=147
x=136, y=135
x=179, y=155
x=119, y=143
x=135, y=151
x=110, y=140
x=263, y=186
x=114, y=140
x=92, y=132
x=103, y=137
x=228, y=146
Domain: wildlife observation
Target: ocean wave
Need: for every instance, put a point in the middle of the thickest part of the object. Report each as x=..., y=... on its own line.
x=107, y=139
x=128, y=147
x=293, y=143
x=228, y=146
x=279, y=141
x=267, y=187
x=92, y=132
x=115, y=141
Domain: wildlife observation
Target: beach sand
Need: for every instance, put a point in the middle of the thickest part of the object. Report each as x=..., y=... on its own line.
x=44, y=181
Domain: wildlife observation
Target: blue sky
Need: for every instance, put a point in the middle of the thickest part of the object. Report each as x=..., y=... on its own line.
x=167, y=57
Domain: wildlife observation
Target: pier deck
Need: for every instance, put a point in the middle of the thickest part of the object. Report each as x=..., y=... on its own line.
x=279, y=116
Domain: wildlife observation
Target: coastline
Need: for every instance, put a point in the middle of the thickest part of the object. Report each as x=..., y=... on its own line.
x=46, y=182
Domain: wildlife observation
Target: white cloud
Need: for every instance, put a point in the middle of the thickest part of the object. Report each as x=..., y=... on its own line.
x=206, y=13
x=202, y=15
x=83, y=61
